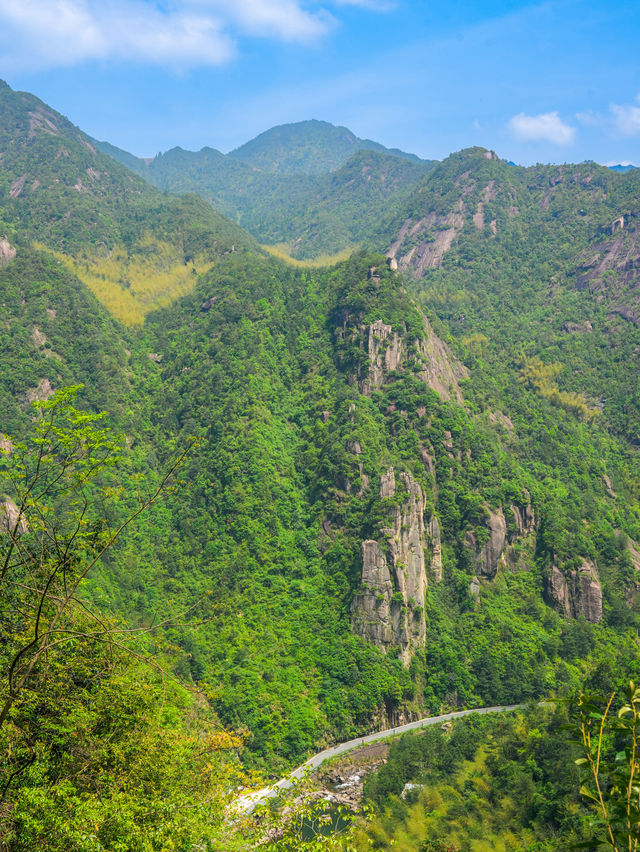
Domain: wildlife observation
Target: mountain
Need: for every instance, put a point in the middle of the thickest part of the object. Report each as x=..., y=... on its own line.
x=627, y=167
x=414, y=483
x=307, y=215
x=134, y=247
x=307, y=148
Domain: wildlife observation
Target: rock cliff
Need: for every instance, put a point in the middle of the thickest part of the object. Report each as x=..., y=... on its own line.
x=388, y=610
x=577, y=593
x=9, y=517
x=487, y=555
x=504, y=528
x=388, y=350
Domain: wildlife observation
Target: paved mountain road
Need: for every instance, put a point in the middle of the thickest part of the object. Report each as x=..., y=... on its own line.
x=246, y=804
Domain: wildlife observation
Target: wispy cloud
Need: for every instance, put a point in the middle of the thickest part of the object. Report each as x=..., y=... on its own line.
x=626, y=118
x=40, y=34
x=546, y=127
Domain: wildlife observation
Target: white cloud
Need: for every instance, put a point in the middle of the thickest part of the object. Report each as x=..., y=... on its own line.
x=626, y=118
x=285, y=19
x=39, y=34
x=589, y=118
x=546, y=127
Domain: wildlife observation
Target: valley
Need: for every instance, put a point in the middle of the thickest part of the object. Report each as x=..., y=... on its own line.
x=404, y=396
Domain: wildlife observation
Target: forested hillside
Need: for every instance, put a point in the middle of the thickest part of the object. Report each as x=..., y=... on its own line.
x=414, y=482
x=306, y=215
x=307, y=147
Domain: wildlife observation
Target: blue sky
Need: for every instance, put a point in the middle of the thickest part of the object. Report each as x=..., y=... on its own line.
x=556, y=81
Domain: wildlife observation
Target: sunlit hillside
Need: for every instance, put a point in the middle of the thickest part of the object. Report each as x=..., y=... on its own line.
x=282, y=252
x=131, y=283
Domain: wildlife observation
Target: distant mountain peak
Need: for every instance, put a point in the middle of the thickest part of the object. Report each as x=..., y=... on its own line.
x=307, y=147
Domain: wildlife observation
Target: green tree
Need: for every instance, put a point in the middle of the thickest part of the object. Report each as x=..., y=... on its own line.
x=611, y=767
x=57, y=527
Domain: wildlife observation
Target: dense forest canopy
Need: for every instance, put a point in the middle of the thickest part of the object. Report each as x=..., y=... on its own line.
x=412, y=480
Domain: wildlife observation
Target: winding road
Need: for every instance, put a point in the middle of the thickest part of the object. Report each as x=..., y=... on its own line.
x=247, y=803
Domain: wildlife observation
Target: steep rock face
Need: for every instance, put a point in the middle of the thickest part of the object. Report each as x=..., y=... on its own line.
x=441, y=370
x=389, y=608
x=487, y=555
x=435, y=541
x=371, y=609
x=577, y=594
x=388, y=351
x=558, y=592
x=524, y=519
x=7, y=252
x=610, y=268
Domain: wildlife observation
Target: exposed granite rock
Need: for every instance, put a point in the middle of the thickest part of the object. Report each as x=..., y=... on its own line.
x=389, y=608
x=209, y=303
x=441, y=369
x=6, y=446
x=524, y=519
x=406, y=537
x=558, y=592
x=578, y=327
x=388, y=350
x=474, y=588
x=7, y=252
x=487, y=555
x=38, y=337
x=587, y=592
x=435, y=541
x=610, y=268
x=9, y=517
x=17, y=186
x=609, y=486
x=634, y=554
x=577, y=594
x=42, y=391
x=422, y=244
x=371, y=607
x=387, y=484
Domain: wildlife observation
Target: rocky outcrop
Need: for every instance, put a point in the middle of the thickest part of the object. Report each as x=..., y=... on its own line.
x=434, y=541
x=504, y=528
x=487, y=555
x=7, y=252
x=388, y=350
x=474, y=588
x=371, y=607
x=42, y=391
x=524, y=520
x=610, y=268
x=441, y=370
x=422, y=244
x=578, y=593
x=577, y=327
x=388, y=610
x=9, y=513
x=558, y=592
